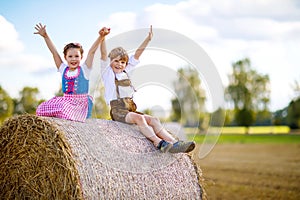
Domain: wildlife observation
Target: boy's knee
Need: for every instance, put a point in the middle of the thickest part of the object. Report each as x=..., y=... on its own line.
x=139, y=119
x=154, y=120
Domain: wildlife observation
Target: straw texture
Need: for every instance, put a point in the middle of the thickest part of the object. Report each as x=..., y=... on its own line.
x=115, y=161
x=36, y=161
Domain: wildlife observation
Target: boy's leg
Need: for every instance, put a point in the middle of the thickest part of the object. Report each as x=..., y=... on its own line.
x=147, y=131
x=178, y=146
x=159, y=129
x=134, y=118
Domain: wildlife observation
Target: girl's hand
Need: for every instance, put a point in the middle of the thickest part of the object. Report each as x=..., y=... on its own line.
x=41, y=30
x=104, y=31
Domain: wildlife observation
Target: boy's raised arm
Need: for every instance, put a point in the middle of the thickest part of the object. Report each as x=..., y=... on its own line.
x=41, y=30
x=142, y=47
x=103, y=49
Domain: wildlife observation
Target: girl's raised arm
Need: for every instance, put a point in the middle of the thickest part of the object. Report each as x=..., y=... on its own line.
x=41, y=30
x=90, y=57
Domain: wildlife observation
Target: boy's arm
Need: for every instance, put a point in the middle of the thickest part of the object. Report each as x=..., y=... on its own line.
x=41, y=30
x=90, y=57
x=103, y=50
x=142, y=47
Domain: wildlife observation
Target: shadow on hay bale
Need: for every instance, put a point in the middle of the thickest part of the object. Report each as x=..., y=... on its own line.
x=50, y=158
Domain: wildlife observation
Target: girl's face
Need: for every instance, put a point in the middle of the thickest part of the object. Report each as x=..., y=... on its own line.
x=73, y=58
x=118, y=65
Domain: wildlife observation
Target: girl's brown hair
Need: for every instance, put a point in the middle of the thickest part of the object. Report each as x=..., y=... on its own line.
x=73, y=45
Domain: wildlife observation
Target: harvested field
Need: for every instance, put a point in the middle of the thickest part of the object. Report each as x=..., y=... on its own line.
x=252, y=171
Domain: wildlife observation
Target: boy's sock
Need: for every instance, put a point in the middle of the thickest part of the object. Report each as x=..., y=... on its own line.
x=164, y=146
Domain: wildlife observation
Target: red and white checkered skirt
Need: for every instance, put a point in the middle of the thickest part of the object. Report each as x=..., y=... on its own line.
x=70, y=106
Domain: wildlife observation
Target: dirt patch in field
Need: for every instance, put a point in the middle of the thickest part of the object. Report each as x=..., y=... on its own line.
x=251, y=171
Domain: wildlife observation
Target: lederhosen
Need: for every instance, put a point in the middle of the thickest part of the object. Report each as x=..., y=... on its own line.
x=120, y=107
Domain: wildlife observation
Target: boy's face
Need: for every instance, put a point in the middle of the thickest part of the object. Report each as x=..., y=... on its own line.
x=118, y=65
x=73, y=58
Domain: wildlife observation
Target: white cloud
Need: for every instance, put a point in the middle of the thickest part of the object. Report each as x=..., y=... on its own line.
x=120, y=22
x=25, y=62
x=175, y=17
x=247, y=8
x=19, y=69
x=12, y=51
x=9, y=41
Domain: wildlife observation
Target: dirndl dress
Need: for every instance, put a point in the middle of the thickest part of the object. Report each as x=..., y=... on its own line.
x=75, y=104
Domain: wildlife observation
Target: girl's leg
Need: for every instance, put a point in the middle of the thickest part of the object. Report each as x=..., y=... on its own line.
x=160, y=131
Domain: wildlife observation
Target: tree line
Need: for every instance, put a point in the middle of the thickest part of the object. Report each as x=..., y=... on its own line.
x=247, y=97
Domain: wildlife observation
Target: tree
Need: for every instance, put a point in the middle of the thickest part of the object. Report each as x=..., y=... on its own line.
x=190, y=100
x=293, y=109
x=249, y=91
x=280, y=117
x=293, y=116
x=219, y=116
x=6, y=105
x=296, y=88
x=28, y=101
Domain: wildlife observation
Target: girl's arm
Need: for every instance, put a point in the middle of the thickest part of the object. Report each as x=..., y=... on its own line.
x=41, y=30
x=142, y=47
x=90, y=57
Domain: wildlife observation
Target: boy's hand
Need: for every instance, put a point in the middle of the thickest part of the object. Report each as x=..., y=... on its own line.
x=150, y=33
x=41, y=30
x=104, y=31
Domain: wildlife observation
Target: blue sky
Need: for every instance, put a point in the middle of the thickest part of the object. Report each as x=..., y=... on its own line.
x=268, y=32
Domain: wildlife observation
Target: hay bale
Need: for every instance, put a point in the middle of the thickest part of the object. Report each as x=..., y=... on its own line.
x=36, y=161
x=115, y=161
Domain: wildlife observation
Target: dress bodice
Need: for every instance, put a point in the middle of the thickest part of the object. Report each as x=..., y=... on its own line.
x=76, y=84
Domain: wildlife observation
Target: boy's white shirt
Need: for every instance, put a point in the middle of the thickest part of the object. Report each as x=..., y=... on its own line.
x=108, y=78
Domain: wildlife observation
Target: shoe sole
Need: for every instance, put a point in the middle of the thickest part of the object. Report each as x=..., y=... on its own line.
x=190, y=148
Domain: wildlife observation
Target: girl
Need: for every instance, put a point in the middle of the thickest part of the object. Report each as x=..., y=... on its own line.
x=75, y=104
x=114, y=67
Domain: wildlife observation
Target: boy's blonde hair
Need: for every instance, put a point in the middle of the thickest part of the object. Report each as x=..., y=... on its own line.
x=118, y=52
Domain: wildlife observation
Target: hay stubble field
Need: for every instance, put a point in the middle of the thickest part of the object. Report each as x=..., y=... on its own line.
x=251, y=171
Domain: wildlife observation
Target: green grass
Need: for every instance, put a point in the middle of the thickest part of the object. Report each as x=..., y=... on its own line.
x=247, y=139
x=243, y=130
